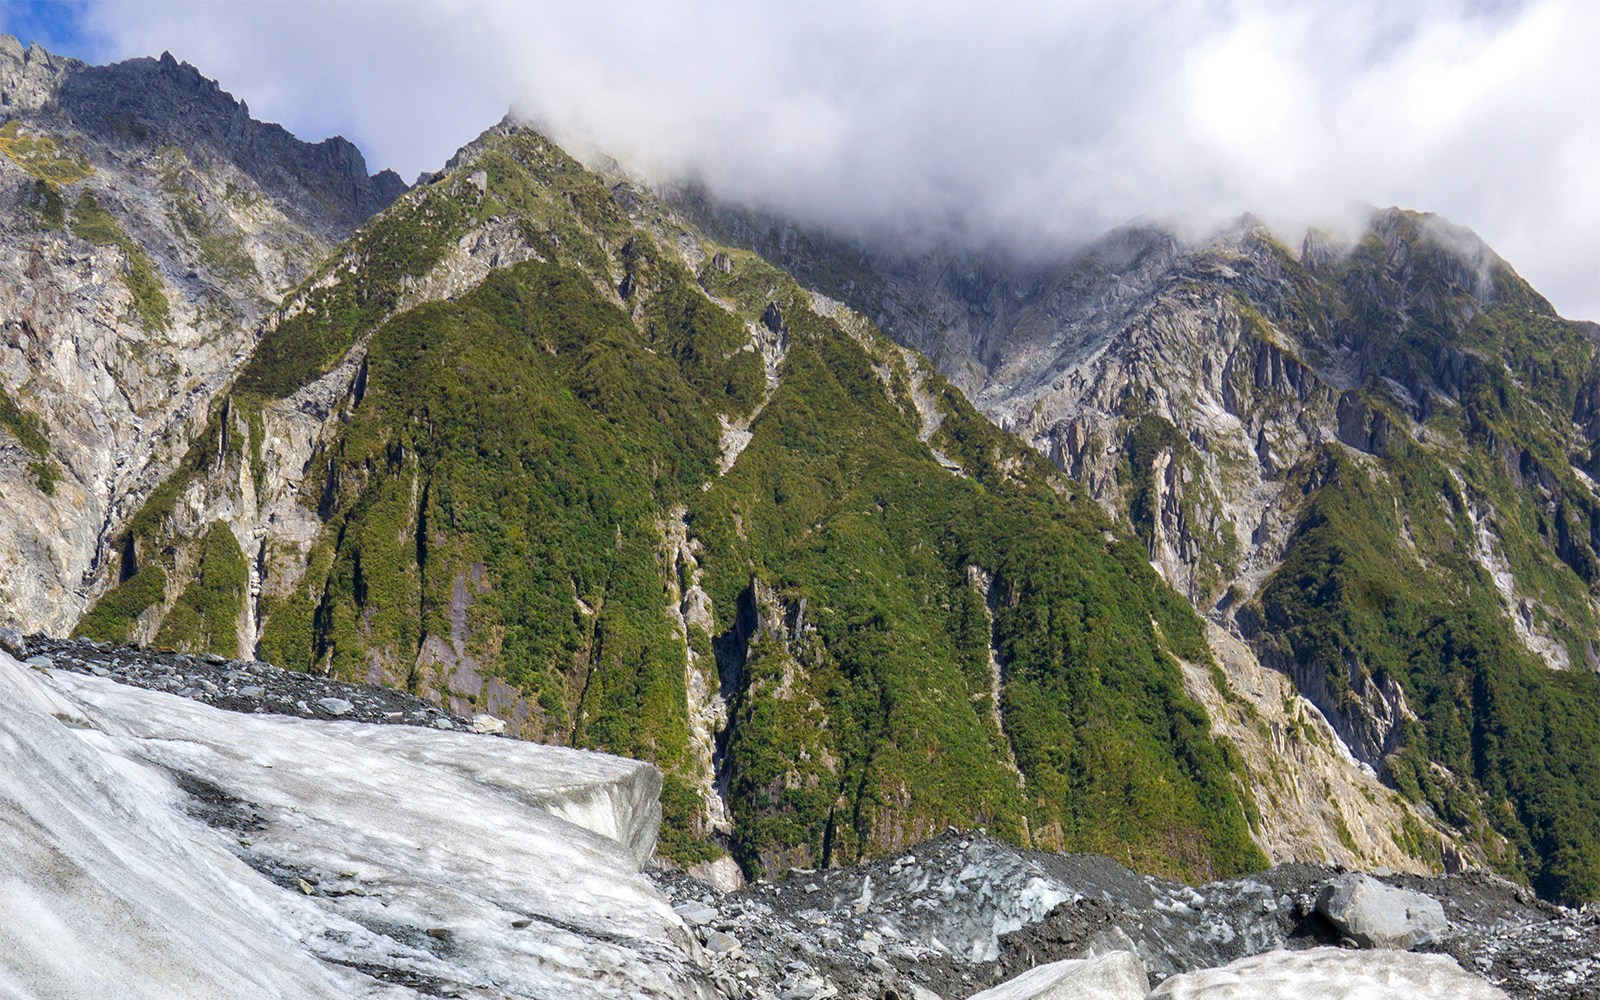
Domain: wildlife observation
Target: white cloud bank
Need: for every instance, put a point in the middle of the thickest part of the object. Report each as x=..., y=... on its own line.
x=1032, y=123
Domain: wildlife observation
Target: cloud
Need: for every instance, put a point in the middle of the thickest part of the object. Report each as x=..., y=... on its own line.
x=1036, y=125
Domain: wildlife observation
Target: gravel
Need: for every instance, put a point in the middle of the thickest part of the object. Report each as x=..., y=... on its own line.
x=237, y=685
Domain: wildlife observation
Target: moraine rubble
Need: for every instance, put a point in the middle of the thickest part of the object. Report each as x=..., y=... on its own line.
x=237, y=685
x=964, y=911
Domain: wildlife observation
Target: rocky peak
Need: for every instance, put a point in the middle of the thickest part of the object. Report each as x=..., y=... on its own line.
x=28, y=76
x=160, y=101
x=143, y=103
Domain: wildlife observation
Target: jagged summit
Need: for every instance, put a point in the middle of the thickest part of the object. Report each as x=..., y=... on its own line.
x=29, y=75
x=144, y=102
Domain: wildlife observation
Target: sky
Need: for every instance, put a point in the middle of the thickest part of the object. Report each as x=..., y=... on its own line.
x=1032, y=126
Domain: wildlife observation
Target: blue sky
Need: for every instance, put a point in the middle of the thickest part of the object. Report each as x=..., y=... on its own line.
x=57, y=26
x=1035, y=125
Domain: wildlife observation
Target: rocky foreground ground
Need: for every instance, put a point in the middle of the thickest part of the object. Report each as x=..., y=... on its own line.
x=237, y=685
x=963, y=912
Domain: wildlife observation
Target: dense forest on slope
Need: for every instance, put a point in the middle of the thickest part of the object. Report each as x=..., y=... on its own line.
x=616, y=485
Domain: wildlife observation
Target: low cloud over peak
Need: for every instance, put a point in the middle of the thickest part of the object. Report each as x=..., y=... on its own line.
x=1038, y=126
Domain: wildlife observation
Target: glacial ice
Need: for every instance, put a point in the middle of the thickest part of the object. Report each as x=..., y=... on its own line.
x=1117, y=975
x=152, y=846
x=1331, y=974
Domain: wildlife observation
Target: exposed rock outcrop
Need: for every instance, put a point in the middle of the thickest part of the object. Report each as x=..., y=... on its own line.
x=147, y=227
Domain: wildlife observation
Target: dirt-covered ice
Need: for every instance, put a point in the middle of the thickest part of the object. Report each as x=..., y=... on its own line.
x=153, y=846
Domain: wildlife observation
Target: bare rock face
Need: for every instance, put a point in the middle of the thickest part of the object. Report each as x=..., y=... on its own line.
x=28, y=76
x=1314, y=798
x=147, y=228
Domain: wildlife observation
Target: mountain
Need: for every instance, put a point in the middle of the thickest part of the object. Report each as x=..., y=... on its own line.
x=529, y=444
x=539, y=442
x=148, y=227
x=1366, y=460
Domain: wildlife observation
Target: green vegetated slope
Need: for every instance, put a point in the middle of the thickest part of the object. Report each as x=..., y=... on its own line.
x=502, y=493
x=1447, y=535
x=1484, y=402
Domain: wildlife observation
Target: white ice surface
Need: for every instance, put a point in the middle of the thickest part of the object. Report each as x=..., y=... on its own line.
x=1115, y=976
x=1331, y=974
x=110, y=886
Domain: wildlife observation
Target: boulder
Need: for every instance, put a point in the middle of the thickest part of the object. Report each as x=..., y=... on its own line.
x=1375, y=915
x=720, y=943
x=695, y=913
x=1115, y=976
x=1331, y=974
x=12, y=642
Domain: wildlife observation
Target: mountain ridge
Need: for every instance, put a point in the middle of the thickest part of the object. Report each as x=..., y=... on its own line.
x=1255, y=411
x=149, y=225
x=852, y=610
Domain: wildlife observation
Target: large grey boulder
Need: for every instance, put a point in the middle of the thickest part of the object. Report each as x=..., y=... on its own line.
x=10, y=639
x=1118, y=975
x=1375, y=915
x=1331, y=974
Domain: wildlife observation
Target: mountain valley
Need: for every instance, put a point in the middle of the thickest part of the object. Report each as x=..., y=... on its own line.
x=1201, y=554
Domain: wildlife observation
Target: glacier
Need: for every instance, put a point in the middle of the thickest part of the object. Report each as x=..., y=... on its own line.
x=152, y=846
x=1331, y=974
